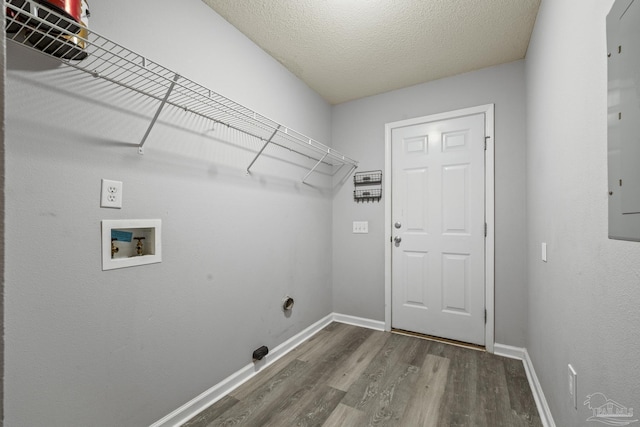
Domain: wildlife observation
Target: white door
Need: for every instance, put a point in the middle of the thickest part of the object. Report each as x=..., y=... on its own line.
x=438, y=228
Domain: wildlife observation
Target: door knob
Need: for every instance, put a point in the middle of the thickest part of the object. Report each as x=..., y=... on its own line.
x=397, y=239
x=397, y=225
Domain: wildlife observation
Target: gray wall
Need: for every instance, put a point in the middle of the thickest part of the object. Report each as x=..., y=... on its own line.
x=358, y=126
x=126, y=347
x=583, y=303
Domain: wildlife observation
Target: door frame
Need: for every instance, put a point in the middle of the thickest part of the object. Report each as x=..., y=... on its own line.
x=489, y=210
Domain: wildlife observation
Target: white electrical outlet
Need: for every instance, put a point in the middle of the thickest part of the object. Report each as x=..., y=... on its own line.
x=111, y=194
x=573, y=383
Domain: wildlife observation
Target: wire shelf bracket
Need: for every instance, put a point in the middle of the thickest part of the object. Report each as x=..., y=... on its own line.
x=155, y=117
x=262, y=149
x=304, y=180
x=39, y=28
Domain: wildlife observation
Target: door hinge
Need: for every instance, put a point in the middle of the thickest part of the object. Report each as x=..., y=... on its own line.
x=485, y=316
x=485, y=229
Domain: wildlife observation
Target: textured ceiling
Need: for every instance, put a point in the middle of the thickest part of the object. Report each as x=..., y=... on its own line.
x=349, y=49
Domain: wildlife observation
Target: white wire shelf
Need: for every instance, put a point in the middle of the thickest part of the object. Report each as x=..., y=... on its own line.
x=44, y=30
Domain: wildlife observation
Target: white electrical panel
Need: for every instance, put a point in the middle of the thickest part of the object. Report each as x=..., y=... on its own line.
x=623, y=119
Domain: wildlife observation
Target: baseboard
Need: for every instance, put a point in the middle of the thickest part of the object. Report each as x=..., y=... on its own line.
x=226, y=386
x=358, y=321
x=536, y=389
x=508, y=351
x=538, y=394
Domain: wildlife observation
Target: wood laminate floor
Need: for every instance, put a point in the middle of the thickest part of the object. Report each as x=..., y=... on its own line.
x=350, y=376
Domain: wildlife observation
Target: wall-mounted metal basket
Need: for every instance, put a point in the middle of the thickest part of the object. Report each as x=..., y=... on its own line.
x=372, y=180
x=367, y=195
x=367, y=178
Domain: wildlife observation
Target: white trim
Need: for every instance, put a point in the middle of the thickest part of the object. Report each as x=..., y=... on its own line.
x=233, y=381
x=488, y=111
x=536, y=389
x=387, y=226
x=538, y=394
x=509, y=351
x=489, y=215
x=359, y=321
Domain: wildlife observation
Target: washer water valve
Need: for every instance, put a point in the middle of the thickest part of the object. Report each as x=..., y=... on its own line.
x=114, y=248
x=139, y=246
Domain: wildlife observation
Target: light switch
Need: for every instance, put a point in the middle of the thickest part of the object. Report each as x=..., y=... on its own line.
x=544, y=252
x=360, y=227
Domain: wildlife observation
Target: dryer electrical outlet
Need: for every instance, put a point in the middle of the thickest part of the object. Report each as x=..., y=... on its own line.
x=111, y=194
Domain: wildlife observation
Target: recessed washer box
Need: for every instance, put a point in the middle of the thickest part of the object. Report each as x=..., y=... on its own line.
x=131, y=242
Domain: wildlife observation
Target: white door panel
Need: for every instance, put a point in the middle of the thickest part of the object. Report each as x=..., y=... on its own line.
x=438, y=201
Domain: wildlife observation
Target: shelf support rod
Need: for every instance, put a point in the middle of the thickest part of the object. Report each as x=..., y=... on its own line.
x=155, y=118
x=314, y=168
x=262, y=149
x=353, y=168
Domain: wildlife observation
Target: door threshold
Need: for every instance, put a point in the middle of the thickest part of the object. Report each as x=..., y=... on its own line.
x=438, y=339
